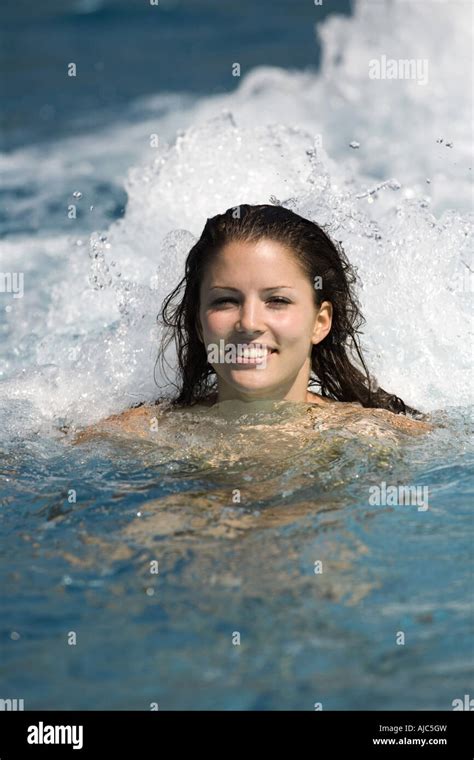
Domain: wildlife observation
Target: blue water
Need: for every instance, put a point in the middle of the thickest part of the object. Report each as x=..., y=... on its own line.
x=124, y=50
x=84, y=567
x=178, y=48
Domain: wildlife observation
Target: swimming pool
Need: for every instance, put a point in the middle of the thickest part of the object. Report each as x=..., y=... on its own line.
x=235, y=569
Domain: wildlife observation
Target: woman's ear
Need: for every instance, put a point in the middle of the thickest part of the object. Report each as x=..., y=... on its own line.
x=323, y=322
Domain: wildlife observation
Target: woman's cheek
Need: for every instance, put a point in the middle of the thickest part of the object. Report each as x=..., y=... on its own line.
x=217, y=324
x=288, y=327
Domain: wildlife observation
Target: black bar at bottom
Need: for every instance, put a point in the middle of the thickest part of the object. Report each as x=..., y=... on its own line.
x=62, y=734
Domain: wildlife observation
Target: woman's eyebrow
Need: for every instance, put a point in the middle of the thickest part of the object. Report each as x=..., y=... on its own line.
x=264, y=290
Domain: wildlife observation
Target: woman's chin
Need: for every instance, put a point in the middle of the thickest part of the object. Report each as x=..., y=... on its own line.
x=249, y=382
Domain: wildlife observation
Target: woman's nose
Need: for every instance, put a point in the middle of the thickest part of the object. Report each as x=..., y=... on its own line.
x=250, y=316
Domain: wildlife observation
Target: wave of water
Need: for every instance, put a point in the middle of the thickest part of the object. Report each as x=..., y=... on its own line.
x=82, y=342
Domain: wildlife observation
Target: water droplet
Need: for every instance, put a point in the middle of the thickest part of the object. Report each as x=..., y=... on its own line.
x=394, y=184
x=77, y=194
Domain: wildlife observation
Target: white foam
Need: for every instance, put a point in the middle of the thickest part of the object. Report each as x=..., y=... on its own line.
x=82, y=343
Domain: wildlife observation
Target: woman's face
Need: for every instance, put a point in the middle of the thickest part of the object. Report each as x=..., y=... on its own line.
x=258, y=321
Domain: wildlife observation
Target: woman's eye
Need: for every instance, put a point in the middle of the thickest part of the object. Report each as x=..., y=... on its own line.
x=223, y=300
x=279, y=300
x=276, y=299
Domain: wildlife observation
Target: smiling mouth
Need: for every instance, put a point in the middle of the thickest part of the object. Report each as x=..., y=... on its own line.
x=253, y=354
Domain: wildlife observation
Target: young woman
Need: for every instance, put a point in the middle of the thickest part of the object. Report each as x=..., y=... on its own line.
x=266, y=310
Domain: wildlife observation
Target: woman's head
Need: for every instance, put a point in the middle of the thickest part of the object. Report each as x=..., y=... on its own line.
x=264, y=275
x=256, y=298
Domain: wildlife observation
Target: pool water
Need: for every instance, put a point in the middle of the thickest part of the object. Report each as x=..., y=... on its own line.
x=237, y=562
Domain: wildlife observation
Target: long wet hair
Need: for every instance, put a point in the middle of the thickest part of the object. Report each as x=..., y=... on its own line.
x=338, y=368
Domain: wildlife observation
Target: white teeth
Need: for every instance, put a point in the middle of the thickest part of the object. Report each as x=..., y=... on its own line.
x=254, y=353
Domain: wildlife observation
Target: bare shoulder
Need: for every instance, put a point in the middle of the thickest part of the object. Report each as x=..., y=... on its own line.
x=402, y=423
x=136, y=420
x=132, y=419
x=353, y=416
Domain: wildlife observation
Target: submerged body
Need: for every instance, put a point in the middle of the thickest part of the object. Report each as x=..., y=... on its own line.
x=252, y=529
x=317, y=414
x=265, y=450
